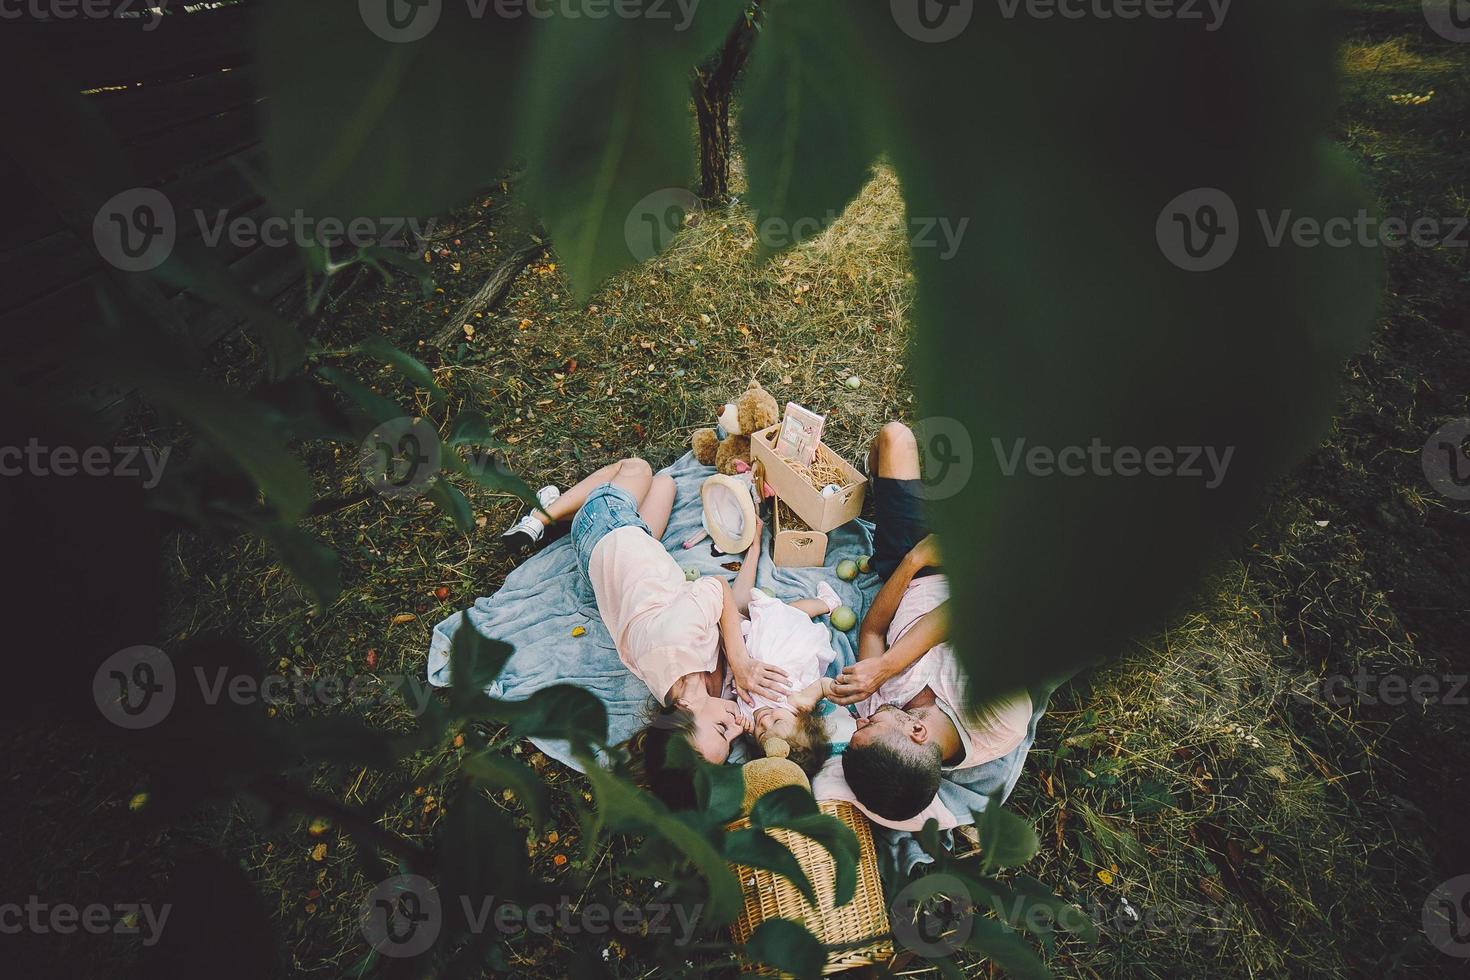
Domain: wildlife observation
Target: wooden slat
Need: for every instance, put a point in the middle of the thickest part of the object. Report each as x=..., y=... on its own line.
x=116, y=51
x=54, y=262
x=144, y=112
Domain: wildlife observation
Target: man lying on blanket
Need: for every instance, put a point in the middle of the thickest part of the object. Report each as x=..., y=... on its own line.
x=919, y=717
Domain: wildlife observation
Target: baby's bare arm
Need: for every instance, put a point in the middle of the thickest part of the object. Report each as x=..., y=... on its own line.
x=812, y=607
x=806, y=699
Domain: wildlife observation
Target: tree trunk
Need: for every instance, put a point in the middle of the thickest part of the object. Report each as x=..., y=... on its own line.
x=713, y=85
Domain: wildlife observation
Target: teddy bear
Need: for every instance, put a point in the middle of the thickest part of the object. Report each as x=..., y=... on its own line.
x=754, y=410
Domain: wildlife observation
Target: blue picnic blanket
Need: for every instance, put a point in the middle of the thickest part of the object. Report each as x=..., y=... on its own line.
x=545, y=599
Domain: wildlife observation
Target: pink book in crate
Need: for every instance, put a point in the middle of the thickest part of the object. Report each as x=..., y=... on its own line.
x=801, y=432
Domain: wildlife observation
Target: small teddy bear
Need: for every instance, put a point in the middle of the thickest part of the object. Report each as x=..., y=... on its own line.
x=754, y=410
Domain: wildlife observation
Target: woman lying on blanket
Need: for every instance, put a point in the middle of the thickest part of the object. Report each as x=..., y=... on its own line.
x=668, y=631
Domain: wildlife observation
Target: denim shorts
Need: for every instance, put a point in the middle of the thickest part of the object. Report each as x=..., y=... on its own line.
x=607, y=509
x=898, y=516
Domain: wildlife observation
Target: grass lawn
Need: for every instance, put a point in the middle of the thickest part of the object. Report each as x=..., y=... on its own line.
x=1202, y=796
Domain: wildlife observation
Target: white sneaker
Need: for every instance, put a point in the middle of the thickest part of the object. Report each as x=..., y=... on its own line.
x=529, y=530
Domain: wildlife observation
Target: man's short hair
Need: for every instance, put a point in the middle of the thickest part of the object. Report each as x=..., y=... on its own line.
x=892, y=775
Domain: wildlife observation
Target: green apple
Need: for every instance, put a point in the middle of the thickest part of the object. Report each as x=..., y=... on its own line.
x=865, y=563
x=847, y=569
x=843, y=618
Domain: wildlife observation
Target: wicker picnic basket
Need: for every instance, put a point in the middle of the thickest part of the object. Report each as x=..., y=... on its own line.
x=859, y=929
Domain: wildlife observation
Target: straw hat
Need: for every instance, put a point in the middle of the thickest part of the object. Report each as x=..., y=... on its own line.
x=729, y=512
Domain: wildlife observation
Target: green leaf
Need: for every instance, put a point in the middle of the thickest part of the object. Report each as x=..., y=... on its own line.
x=193, y=267
x=1006, y=840
x=928, y=838
x=1025, y=903
x=1009, y=951
x=377, y=408
x=475, y=661
x=793, y=808
x=490, y=472
x=720, y=791
x=453, y=503
x=499, y=772
x=470, y=428
x=1055, y=338
x=758, y=849
x=357, y=125
x=606, y=129
x=237, y=427
x=788, y=947
x=310, y=562
x=804, y=121
x=410, y=367
x=380, y=257
x=485, y=857
x=621, y=806
x=560, y=711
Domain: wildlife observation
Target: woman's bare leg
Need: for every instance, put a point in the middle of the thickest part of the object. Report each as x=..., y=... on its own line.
x=658, y=505
x=632, y=474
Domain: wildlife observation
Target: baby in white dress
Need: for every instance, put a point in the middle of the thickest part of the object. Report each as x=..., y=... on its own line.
x=783, y=634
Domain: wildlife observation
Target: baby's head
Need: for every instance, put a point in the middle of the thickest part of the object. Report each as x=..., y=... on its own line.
x=802, y=731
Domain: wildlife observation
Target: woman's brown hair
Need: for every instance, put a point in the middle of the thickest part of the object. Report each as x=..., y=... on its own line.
x=648, y=755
